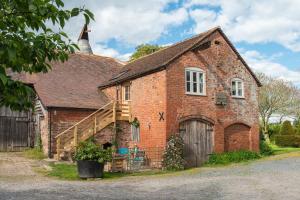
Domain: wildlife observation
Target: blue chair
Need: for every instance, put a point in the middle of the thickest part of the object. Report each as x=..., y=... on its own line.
x=123, y=151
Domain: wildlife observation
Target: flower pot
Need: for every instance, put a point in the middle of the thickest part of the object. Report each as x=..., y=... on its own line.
x=90, y=169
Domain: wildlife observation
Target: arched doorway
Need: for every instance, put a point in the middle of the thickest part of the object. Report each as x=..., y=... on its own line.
x=237, y=137
x=197, y=135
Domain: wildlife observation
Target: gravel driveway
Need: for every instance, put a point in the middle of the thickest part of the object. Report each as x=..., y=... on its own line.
x=265, y=179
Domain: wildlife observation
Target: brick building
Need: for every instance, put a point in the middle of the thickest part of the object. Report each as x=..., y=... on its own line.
x=200, y=88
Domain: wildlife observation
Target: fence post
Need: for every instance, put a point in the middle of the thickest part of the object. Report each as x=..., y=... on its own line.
x=129, y=112
x=95, y=125
x=114, y=111
x=75, y=136
x=58, y=151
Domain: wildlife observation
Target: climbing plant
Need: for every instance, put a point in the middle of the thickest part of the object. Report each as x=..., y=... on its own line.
x=173, y=155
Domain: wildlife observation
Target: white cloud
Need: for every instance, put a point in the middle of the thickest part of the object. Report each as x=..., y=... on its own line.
x=103, y=50
x=254, y=21
x=261, y=63
x=132, y=21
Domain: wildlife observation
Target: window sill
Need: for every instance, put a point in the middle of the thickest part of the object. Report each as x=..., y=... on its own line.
x=234, y=97
x=193, y=94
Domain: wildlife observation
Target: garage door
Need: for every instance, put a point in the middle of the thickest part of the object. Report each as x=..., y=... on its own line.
x=198, y=141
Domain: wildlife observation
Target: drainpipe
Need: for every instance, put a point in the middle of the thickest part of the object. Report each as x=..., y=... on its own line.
x=49, y=135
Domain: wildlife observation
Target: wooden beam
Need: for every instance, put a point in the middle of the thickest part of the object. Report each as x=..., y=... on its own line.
x=75, y=136
x=58, y=150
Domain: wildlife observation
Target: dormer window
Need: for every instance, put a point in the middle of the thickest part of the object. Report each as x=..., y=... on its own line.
x=195, y=81
x=237, y=88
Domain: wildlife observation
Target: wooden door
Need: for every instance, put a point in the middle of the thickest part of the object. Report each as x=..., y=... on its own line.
x=198, y=141
x=14, y=133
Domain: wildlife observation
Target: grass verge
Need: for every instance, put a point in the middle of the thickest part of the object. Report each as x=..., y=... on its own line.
x=34, y=153
x=232, y=157
x=281, y=150
x=69, y=172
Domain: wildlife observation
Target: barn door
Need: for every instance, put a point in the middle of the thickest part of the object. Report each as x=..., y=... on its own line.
x=198, y=141
x=14, y=133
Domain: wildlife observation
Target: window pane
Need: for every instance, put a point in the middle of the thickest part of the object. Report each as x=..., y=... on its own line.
x=201, y=88
x=188, y=85
x=233, y=88
x=188, y=76
x=194, y=77
x=239, y=85
x=201, y=83
x=201, y=77
x=240, y=92
x=127, y=93
x=195, y=87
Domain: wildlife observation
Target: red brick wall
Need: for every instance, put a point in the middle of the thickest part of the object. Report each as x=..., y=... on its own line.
x=220, y=65
x=237, y=137
x=148, y=98
x=63, y=118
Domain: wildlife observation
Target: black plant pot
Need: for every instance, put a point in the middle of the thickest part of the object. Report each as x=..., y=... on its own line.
x=90, y=169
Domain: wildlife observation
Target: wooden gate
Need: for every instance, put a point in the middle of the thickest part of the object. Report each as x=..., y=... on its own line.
x=198, y=141
x=16, y=130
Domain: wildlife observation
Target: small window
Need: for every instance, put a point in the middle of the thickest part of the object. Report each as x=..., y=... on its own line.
x=195, y=81
x=237, y=88
x=135, y=131
x=127, y=92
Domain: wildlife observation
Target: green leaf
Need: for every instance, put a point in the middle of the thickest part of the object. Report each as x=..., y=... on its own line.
x=87, y=18
x=74, y=12
x=11, y=54
x=3, y=79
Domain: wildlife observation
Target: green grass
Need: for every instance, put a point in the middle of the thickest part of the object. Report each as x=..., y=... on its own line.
x=281, y=150
x=69, y=172
x=232, y=157
x=34, y=153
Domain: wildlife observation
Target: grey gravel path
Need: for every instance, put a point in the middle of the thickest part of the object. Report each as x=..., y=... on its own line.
x=269, y=179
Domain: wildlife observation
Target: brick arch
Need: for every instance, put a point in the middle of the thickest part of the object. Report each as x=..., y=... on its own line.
x=197, y=117
x=237, y=137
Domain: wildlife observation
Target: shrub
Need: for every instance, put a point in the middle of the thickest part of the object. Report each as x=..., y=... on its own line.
x=232, y=157
x=287, y=128
x=273, y=130
x=89, y=150
x=265, y=149
x=173, y=155
x=287, y=140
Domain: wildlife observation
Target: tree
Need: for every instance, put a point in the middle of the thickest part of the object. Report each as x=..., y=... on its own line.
x=287, y=128
x=28, y=44
x=275, y=96
x=143, y=50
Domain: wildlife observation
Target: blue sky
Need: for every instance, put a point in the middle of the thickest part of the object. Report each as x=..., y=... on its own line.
x=266, y=33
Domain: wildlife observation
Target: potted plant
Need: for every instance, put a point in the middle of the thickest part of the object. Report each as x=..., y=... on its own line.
x=91, y=158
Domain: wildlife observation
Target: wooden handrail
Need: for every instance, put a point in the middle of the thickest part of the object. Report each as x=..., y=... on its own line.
x=59, y=135
x=89, y=125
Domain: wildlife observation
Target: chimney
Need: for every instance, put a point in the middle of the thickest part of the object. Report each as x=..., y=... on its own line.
x=83, y=41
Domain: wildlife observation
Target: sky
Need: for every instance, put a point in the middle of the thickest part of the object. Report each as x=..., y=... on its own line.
x=265, y=32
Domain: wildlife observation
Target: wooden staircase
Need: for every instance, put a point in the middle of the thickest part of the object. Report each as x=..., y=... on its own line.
x=67, y=141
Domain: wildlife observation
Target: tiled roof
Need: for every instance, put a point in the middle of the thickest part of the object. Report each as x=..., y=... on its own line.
x=74, y=84
x=160, y=59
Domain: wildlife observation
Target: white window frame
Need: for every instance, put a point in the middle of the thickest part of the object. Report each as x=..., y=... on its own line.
x=198, y=71
x=124, y=92
x=237, y=80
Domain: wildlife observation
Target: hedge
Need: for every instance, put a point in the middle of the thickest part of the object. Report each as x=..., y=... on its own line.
x=287, y=128
x=288, y=140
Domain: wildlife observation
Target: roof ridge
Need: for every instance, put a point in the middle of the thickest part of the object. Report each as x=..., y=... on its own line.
x=98, y=55
x=177, y=43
